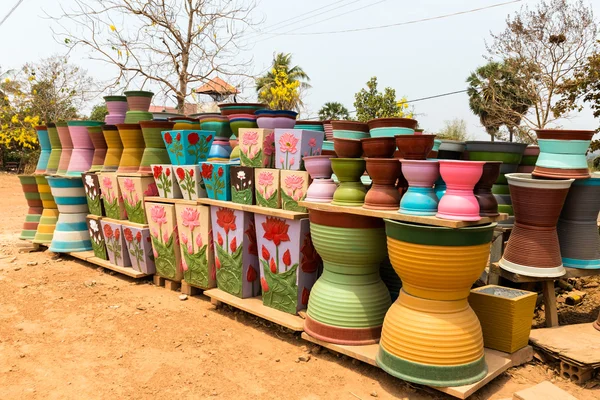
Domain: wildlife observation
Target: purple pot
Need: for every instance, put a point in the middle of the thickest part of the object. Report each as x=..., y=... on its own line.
x=139, y=247
x=321, y=190
x=116, y=104
x=319, y=166
x=275, y=122
x=421, y=173
x=114, y=119
x=116, y=247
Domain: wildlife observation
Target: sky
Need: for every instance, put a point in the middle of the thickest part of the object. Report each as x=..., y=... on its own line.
x=417, y=60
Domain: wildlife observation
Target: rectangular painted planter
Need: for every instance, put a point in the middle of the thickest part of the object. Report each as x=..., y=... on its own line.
x=293, y=187
x=257, y=147
x=165, y=240
x=166, y=183
x=242, y=185
x=236, y=254
x=115, y=244
x=93, y=193
x=505, y=315
x=266, y=184
x=195, y=237
x=134, y=189
x=216, y=180
x=190, y=182
x=139, y=246
x=289, y=264
x=114, y=207
x=97, y=238
x=292, y=145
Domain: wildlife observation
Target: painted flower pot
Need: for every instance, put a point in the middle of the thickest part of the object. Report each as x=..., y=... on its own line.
x=562, y=154
x=451, y=150
x=115, y=244
x=134, y=189
x=166, y=182
x=288, y=262
x=55, y=153
x=348, y=302
x=383, y=194
x=69, y=195
x=34, y=214
x=242, y=185
x=216, y=178
x=97, y=238
x=530, y=156
x=218, y=124
x=241, y=121
x=257, y=148
x=577, y=226
x=236, y=252
x=275, y=119
x=186, y=147
x=112, y=199
x=46, y=226
x=116, y=104
x=488, y=205
x=66, y=145
x=139, y=247
x=100, y=147
x=139, y=100
x=155, y=151
x=459, y=203
x=379, y=147
x=292, y=145
x=293, y=188
x=322, y=188
x=93, y=194
x=237, y=108
x=347, y=148
x=162, y=222
x=45, y=148
x=266, y=187
x=135, y=117
x=71, y=234
x=190, y=181
x=348, y=130
x=220, y=151
x=351, y=191
x=114, y=149
x=133, y=147
x=414, y=147
x=390, y=127
x=533, y=248
x=420, y=198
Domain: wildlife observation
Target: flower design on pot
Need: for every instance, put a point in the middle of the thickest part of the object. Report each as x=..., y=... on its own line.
x=113, y=201
x=92, y=193
x=293, y=189
x=134, y=243
x=287, y=145
x=163, y=243
x=97, y=239
x=185, y=178
x=267, y=188
x=196, y=268
x=133, y=204
x=242, y=188
x=199, y=147
x=228, y=253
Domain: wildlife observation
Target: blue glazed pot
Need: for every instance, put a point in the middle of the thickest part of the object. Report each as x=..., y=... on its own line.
x=562, y=154
x=391, y=131
x=187, y=147
x=217, y=180
x=69, y=194
x=419, y=201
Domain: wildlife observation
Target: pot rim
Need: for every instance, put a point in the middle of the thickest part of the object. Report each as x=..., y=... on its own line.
x=226, y=105
x=380, y=138
x=463, y=162
x=391, y=121
x=157, y=124
x=128, y=126
x=138, y=93
x=527, y=180
x=323, y=156
x=358, y=126
x=423, y=137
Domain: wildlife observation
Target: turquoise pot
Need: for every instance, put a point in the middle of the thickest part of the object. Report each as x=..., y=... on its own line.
x=71, y=234
x=419, y=201
x=318, y=128
x=188, y=147
x=391, y=132
x=562, y=154
x=439, y=188
x=436, y=145
x=217, y=180
x=342, y=134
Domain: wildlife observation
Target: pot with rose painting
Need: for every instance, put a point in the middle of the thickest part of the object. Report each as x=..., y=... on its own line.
x=383, y=194
x=348, y=302
x=100, y=147
x=242, y=185
x=138, y=100
x=45, y=149
x=235, y=251
x=155, y=151
x=351, y=191
x=162, y=222
x=34, y=202
x=266, y=187
x=116, y=248
x=488, y=205
x=112, y=198
x=257, y=148
x=139, y=246
x=420, y=198
x=390, y=127
x=93, y=194
x=291, y=145
x=288, y=262
x=562, y=154
x=379, y=147
x=186, y=147
x=216, y=177
x=114, y=149
x=458, y=202
x=190, y=181
x=347, y=148
x=97, y=238
x=54, y=158
x=414, y=147
x=134, y=189
x=322, y=188
x=133, y=147
x=83, y=147
x=293, y=188
x=349, y=130
x=66, y=147
x=533, y=248
x=275, y=119
x=166, y=181
x=197, y=251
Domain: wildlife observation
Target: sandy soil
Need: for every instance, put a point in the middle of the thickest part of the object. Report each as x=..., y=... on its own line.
x=70, y=330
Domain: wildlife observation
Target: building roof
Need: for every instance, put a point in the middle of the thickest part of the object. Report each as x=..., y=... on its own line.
x=217, y=85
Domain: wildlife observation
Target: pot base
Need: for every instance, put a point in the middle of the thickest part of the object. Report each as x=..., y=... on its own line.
x=535, y=272
x=343, y=336
x=489, y=214
x=556, y=173
x=581, y=264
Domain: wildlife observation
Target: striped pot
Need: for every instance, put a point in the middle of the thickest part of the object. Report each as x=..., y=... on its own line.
x=69, y=194
x=56, y=151
x=67, y=147
x=116, y=104
x=562, y=154
x=45, y=149
x=71, y=233
x=133, y=147
x=155, y=151
x=34, y=202
x=45, y=192
x=45, y=229
x=114, y=148
x=138, y=100
x=83, y=148
x=100, y=147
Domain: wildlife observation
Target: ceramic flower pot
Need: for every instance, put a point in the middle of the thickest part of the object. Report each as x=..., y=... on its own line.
x=55, y=153
x=93, y=194
x=66, y=145
x=139, y=100
x=114, y=119
x=414, y=147
x=220, y=151
x=135, y=117
x=293, y=188
x=45, y=149
x=186, y=147
x=97, y=238
x=236, y=108
x=216, y=178
x=348, y=302
x=533, y=248
x=115, y=244
x=71, y=233
x=420, y=198
x=166, y=181
x=139, y=246
x=266, y=187
x=218, y=124
x=390, y=127
x=165, y=240
x=351, y=191
x=116, y=105
x=347, y=148
x=276, y=119
x=562, y=154
x=322, y=188
x=134, y=189
x=349, y=130
x=155, y=151
x=242, y=185
x=451, y=150
x=100, y=147
x=391, y=279
x=383, y=194
x=488, y=205
x=114, y=149
x=133, y=147
x=310, y=125
x=239, y=121
x=46, y=226
x=34, y=214
x=328, y=128
x=190, y=181
x=183, y=123
x=319, y=166
x=257, y=147
x=236, y=251
x=379, y=147
x=194, y=226
x=83, y=148
x=45, y=192
x=112, y=198
x=69, y=195
x=439, y=187
x=459, y=203
x=530, y=156
x=292, y=145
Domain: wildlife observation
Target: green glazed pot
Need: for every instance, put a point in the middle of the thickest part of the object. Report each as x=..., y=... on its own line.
x=351, y=191
x=507, y=158
x=500, y=189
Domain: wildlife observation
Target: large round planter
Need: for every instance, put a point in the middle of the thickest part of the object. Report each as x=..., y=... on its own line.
x=390, y=278
x=390, y=127
x=184, y=123
x=139, y=100
x=451, y=150
x=533, y=248
x=54, y=158
x=488, y=205
x=34, y=201
x=383, y=194
x=45, y=149
x=349, y=130
x=458, y=202
x=133, y=147
x=420, y=198
x=69, y=194
x=351, y=191
x=318, y=166
x=310, y=125
x=218, y=124
x=237, y=121
x=155, y=151
x=114, y=149
x=71, y=234
x=135, y=117
x=83, y=147
x=275, y=119
x=66, y=145
x=348, y=302
x=187, y=147
x=379, y=147
x=100, y=147
x=562, y=154
x=414, y=147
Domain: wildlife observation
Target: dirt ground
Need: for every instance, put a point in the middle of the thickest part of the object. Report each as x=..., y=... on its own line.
x=71, y=330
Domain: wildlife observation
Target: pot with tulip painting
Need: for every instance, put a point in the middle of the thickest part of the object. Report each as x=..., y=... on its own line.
x=236, y=251
x=165, y=240
x=139, y=247
x=216, y=180
x=112, y=199
x=291, y=145
x=166, y=182
x=190, y=181
x=93, y=194
x=187, y=147
x=134, y=189
x=266, y=187
x=289, y=264
x=294, y=185
x=257, y=147
x=115, y=244
x=97, y=238
x=193, y=224
x=242, y=185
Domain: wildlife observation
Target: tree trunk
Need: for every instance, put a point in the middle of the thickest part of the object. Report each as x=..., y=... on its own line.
x=511, y=129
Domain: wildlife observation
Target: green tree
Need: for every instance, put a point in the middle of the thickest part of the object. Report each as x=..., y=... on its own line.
x=455, y=129
x=333, y=111
x=271, y=82
x=98, y=112
x=371, y=104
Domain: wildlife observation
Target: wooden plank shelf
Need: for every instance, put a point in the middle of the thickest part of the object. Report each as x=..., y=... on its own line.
x=89, y=257
x=497, y=363
x=254, y=306
x=395, y=215
x=125, y=222
x=272, y=212
x=156, y=199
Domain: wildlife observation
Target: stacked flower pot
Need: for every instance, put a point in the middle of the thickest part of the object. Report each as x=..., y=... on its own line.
x=349, y=166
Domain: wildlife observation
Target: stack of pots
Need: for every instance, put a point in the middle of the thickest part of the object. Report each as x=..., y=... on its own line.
x=83, y=148
x=55, y=153
x=133, y=147
x=138, y=102
x=240, y=115
x=66, y=147
x=45, y=149
x=117, y=109
x=448, y=150
x=328, y=127
x=562, y=154
x=220, y=150
x=384, y=171
x=155, y=151
x=114, y=149
x=322, y=188
x=34, y=201
x=47, y=223
x=348, y=168
x=100, y=147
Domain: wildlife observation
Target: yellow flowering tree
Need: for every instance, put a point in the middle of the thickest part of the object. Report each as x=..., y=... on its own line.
x=404, y=109
x=283, y=93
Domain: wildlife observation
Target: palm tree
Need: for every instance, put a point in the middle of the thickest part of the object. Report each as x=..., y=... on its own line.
x=294, y=74
x=333, y=110
x=481, y=92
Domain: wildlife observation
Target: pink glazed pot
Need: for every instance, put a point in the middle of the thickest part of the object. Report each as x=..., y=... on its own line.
x=459, y=203
x=318, y=166
x=420, y=173
x=322, y=188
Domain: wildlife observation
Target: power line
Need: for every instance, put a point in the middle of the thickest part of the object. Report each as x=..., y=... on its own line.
x=435, y=96
x=12, y=10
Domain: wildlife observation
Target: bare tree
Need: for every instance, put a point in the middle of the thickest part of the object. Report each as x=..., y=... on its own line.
x=176, y=44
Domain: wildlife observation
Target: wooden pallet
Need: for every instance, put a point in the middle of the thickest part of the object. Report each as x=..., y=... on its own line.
x=89, y=257
x=272, y=212
x=254, y=306
x=497, y=362
x=167, y=283
x=191, y=290
x=27, y=246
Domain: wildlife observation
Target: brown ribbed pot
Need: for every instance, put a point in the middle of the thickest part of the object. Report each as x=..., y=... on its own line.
x=393, y=123
x=488, y=206
x=379, y=147
x=350, y=126
x=414, y=147
x=347, y=148
x=562, y=134
x=383, y=194
x=344, y=220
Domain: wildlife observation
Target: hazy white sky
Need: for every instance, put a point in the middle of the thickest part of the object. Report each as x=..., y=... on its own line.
x=417, y=60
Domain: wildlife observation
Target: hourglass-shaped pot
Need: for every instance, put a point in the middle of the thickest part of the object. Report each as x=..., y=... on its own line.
x=383, y=194
x=322, y=188
x=66, y=145
x=155, y=151
x=488, y=205
x=351, y=191
x=458, y=202
x=45, y=149
x=419, y=199
x=56, y=151
x=133, y=147
x=562, y=154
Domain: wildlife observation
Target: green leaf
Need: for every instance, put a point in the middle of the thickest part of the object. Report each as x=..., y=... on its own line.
x=136, y=214
x=197, y=263
x=112, y=209
x=165, y=262
x=243, y=196
x=283, y=291
x=229, y=276
x=94, y=205
x=99, y=249
x=290, y=204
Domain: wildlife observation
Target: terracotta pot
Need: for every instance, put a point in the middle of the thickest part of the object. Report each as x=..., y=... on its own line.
x=379, y=147
x=347, y=148
x=533, y=248
x=139, y=100
x=530, y=156
x=420, y=199
x=393, y=123
x=562, y=154
x=114, y=148
x=458, y=202
x=415, y=147
x=350, y=126
x=292, y=145
x=351, y=191
x=116, y=104
x=56, y=151
x=383, y=194
x=100, y=147
x=488, y=206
